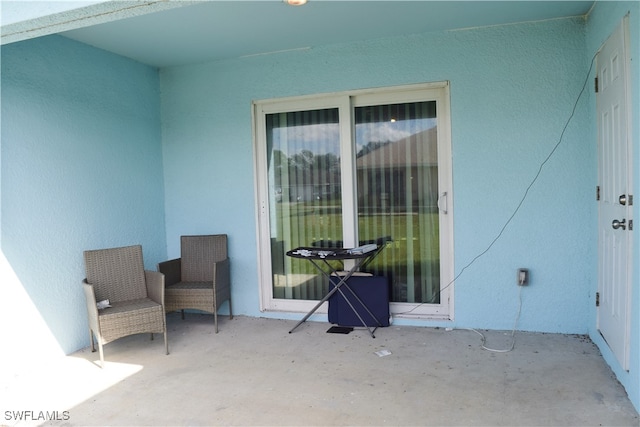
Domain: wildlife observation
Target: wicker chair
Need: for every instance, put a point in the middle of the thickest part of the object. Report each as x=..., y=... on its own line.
x=200, y=278
x=136, y=296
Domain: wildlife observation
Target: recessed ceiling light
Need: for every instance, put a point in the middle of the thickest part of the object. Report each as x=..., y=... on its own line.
x=295, y=2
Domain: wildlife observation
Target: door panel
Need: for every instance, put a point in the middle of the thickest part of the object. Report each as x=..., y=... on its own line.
x=305, y=195
x=614, y=208
x=397, y=173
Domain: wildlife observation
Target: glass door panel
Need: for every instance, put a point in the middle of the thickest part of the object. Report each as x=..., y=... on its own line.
x=397, y=179
x=305, y=209
x=346, y=169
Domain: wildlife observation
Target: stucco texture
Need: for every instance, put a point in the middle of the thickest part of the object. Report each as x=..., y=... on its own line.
x=512, y=91
x=81, y=169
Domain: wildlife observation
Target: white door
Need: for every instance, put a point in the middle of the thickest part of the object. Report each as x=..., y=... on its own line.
x=615, y=194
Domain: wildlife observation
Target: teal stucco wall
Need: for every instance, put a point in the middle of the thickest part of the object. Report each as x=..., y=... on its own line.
x=512, y=91
x=81, y=169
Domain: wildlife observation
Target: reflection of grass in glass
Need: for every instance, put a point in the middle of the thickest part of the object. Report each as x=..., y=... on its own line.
x=411, y=260
x=425, y=241
x=311, y=222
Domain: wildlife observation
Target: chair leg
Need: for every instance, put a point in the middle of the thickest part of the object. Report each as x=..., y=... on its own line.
x=182, y=314
x=166, y=344
x=101, y=353
x=93, y=345
x=230, y=311
x=151, y=336
x=215, y=319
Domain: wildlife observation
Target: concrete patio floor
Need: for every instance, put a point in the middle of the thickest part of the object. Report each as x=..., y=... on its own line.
x=253, y=372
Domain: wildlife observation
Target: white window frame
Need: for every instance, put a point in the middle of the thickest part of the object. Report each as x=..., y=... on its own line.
x=346, y=103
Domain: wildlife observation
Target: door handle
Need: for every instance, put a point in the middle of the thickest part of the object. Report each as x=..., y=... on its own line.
x=619, y=224
x=622, y=199
x=443, y=196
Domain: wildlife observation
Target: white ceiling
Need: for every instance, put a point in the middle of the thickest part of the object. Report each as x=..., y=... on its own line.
x=191, y=32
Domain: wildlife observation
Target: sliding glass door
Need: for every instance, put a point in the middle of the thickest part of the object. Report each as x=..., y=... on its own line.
x=303, y=156
x=397, y=171
x=349, y=169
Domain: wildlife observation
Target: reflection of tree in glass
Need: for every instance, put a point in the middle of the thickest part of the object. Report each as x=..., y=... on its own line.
x=302, y=160
x=306, y=176
x=371, y=146
x=319, y=168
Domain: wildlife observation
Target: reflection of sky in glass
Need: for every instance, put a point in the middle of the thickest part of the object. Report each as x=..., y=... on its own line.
x=319, y=138
x=323, y=138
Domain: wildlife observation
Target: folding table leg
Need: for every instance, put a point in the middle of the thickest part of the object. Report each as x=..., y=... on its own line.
x=342, y=281
x=358, y=314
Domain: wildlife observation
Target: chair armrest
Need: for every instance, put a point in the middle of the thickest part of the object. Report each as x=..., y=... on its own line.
x=172, y=271
x=155, y=286
x=221, y=273
x=92, y=307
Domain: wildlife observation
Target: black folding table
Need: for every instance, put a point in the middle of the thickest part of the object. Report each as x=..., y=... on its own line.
x=321, y=256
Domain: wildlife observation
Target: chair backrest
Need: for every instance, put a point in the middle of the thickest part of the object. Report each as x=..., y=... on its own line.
x=198, y=253
x=117, y=274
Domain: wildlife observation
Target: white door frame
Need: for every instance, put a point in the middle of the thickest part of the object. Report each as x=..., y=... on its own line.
x=346, y=101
